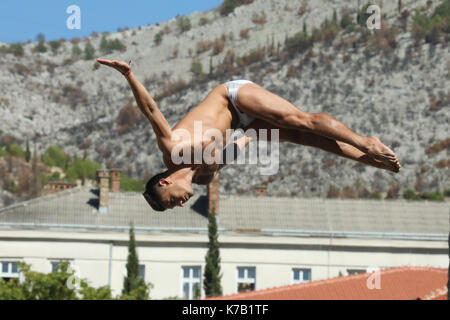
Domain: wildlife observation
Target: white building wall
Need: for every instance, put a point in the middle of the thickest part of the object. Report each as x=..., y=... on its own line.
x=273, y=257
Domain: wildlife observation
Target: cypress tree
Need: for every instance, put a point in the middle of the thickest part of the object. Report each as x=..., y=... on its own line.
x=27, y=152
x=131, y=281
x=134, y=286
x=212, y=274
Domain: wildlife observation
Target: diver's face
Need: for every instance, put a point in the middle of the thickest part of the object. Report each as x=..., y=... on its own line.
x=176, y=193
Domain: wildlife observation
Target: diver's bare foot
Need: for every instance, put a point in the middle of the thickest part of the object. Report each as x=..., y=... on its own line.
x=378, y=151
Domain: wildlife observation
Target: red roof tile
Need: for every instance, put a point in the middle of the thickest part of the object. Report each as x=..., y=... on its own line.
x=437, y=294
x=403, y=283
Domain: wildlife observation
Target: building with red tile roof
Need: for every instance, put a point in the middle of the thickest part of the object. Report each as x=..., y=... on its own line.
x=403, y=283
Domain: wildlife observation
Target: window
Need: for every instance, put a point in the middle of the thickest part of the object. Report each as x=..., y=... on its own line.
x=142, y=271
x=56, y=263
x=9, y=270
x=191, y=282
x=301, y=275
x=355, y=271
x=246, y=279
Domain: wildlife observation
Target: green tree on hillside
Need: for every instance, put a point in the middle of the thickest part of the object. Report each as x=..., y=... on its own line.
x=129, y=184
x=54, y=156
x=16, y=49
x=76, y=51
x=89, y=52
x=15, y=150
x=82, y=169
x=183, y=24
x=228, y=6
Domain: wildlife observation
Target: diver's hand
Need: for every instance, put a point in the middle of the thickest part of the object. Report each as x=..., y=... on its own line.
x=120, y=66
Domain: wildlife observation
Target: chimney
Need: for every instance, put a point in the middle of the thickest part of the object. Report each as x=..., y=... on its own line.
x=115, y=178
x=213, y=195
x=56, y=186
x=103, y=185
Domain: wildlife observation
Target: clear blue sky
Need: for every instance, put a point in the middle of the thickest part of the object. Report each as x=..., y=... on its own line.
x=22, y=20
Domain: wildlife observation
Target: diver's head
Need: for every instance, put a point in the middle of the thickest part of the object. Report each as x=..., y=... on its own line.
x=166, y=191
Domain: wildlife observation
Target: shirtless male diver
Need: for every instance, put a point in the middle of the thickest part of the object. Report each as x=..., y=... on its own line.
x=254, y=107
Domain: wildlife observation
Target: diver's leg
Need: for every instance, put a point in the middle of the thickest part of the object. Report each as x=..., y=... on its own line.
x=339, y=148
x=262, y=104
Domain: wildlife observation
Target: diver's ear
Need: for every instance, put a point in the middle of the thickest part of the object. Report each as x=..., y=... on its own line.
x=165, y=182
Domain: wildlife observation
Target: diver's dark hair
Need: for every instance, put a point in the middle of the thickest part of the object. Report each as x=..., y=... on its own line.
x=152, y=194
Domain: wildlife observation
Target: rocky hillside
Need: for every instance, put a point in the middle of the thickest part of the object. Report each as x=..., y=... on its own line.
x=386, y=83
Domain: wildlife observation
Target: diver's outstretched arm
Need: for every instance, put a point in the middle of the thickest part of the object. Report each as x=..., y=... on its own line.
x=146, y=103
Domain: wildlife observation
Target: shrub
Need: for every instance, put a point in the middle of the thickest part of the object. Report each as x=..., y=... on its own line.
x=76, y=51
x=82, y=169
x=158, y=38
x=300, y=42
x=197, y=68
x=218, y=46
x=409, y=194
x=346, y=21
x=383, y=40
x=171, y=88
x=362, y=15
x=255, y=55
x=433, y=196
x=16, y=49
x=442, y=164
x=203, y=46
x=227, y=67
x=348, y=193
x=108, y=46
x=20, y=69
x=15, y=150
x=74, y=95
x=333, y=192
x=244, y=33
x=85, y=144
x=55, y=45
x=290, y=71
x=260, y=19
x=375, y=196
x=128, y=116
x=183, y=24
x=228, y=6
x=432, y=28
x=89, y=52
x=438, y=146
x=301, y=11
x=203, y=21
x=129, y=184
x=40, y=47
x=329, y=33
